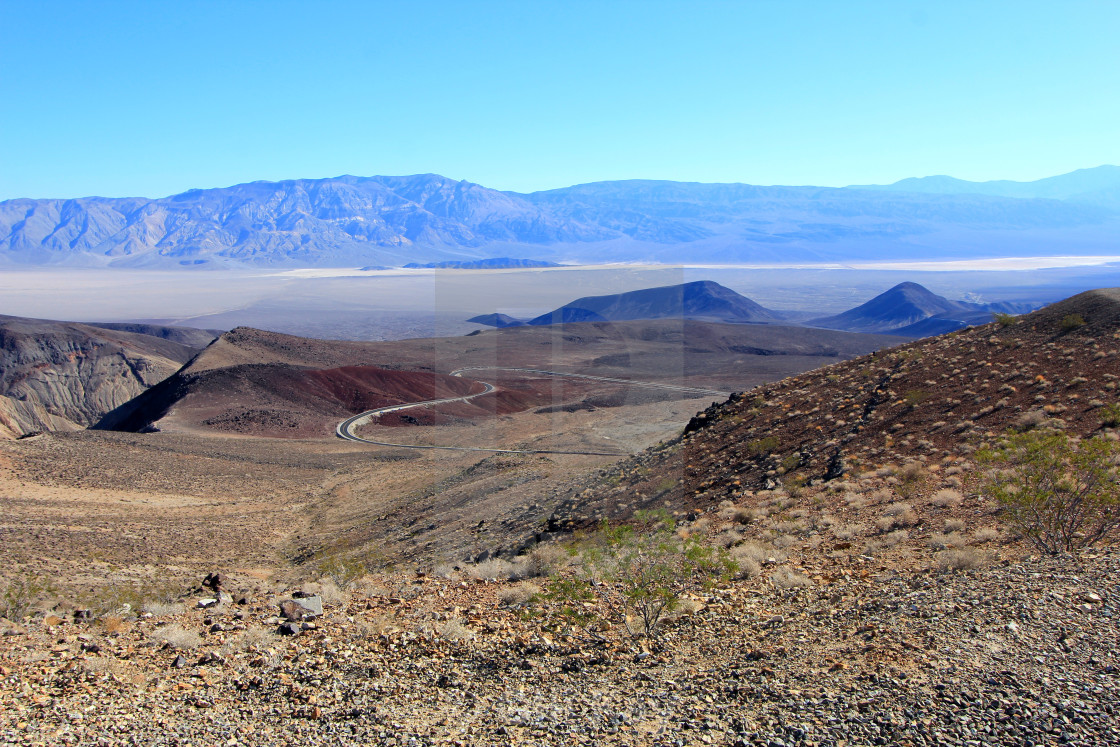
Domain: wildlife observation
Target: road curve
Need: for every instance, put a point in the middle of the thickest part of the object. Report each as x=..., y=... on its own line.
x=342, y=430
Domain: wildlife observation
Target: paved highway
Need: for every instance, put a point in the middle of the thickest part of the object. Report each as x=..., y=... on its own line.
x=343, y=429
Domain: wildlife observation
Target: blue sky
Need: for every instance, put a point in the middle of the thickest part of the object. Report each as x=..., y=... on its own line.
x=117, y=98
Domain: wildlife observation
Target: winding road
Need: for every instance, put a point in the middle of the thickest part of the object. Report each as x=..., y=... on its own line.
x=343, y=429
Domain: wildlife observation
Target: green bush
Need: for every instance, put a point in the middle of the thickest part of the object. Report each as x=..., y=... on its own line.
x=763, y=445
x=1072, y=321
x=1005, y=320
x=1058, y=493
x=21, y=594
x=1110, y=415
x=640, y=573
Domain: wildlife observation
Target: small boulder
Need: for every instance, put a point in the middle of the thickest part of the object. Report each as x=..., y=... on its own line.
x=288, y=628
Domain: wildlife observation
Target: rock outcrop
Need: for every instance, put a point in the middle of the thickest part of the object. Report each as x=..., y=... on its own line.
x=57, y=376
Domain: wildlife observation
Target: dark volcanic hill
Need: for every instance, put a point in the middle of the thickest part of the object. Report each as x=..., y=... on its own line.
x=66, y=376
x=930, y=402
x=909, y=309
x=701, y=300
x=264, y=383
x=497, y=320
x=394, y=220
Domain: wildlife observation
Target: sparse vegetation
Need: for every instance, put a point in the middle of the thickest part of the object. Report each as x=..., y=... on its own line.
x=1072, y=322
x=176, y=636
x=21, y=593
x=960, y=559
x=1005, y=320
x=647, y=568
x=1059, y=493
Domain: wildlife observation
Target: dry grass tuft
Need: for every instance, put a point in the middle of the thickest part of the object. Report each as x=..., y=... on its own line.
x=960, y=559
x=518, y=594
x=177, y=636
x=947, y=498
x=787, y=578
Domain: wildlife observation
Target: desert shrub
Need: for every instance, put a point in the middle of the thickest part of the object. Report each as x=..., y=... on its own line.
x=1110, y=415
x=453, y=630
x=492, y=569
x=762, y=445
x=914, y=397
x=1072, y=321
x=787, y=578
x=21, y=594
x=518, y=594
x=163, y=609
x=1031, y=419
x=985, y=534
x=344, y=571
x=444, y=570
x=758, y=552
x=939, y=541
x=253, y=637
x=648, y=568
x=954, y=525
x=177, y=636
x=123, y=598
x=1058, y=493
x=546, y=560
x=886, y=541
x=330, y=592
x=960, y=559
x=897, y=515
x=848, y=531
x=946, y=498
x=1005, y=320
x=747, y=566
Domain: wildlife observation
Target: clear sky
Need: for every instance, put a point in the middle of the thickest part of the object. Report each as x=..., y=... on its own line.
x=153, y=98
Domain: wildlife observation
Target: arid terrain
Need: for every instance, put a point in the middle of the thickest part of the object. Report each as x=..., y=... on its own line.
x=879, y=594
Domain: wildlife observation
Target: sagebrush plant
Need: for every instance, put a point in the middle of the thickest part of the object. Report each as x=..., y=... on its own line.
x=1059, y=493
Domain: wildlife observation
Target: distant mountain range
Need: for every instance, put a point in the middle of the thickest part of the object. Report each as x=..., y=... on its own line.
x=907, y=310
x=1099, y=186
x=392, y=221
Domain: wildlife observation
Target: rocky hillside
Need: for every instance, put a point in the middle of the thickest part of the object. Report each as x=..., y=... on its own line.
x=66, y=376
x=928, y=404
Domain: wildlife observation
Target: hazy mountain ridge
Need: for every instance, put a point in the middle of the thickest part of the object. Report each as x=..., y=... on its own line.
x=1100, y=185
x=386, y=220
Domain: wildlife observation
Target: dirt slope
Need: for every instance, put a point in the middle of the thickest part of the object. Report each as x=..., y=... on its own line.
x=65, y=376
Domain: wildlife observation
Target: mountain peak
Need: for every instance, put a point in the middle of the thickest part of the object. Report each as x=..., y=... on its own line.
x=699, y=299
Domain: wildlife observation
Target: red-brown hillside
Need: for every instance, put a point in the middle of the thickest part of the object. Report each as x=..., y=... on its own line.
x=926, y=401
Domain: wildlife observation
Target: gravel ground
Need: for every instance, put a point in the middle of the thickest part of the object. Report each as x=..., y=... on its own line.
x=1022, y=653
